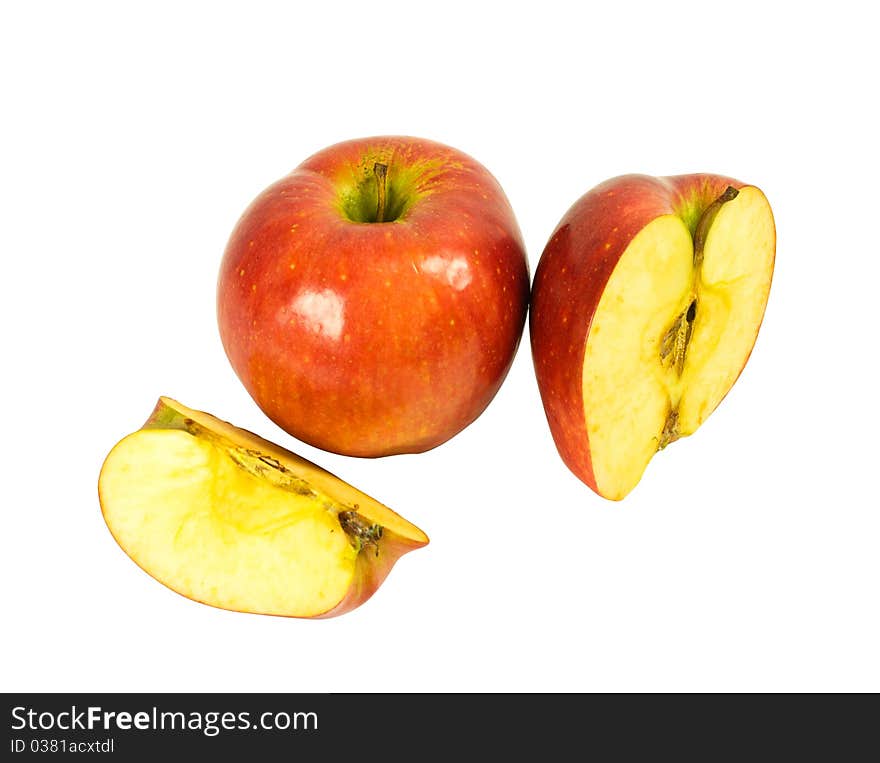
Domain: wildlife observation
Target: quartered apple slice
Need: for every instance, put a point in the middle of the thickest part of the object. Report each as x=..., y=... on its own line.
x=229, y=519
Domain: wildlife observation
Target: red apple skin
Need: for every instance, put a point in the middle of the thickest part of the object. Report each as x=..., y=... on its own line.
x=370, y=339
x=572, y=273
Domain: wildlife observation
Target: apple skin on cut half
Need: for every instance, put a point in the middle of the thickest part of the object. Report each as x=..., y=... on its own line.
x=229, y=519
x=646, y=303
x=372, y=301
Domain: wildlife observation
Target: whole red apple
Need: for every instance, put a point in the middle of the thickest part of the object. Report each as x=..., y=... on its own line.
x=372, y=300
x=646, y=304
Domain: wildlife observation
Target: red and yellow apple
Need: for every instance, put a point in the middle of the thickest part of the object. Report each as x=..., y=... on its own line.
x=372, y=301
x=229, y=519
x=646, y=304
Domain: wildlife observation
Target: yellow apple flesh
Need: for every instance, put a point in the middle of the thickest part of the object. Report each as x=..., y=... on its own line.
x=229, y=519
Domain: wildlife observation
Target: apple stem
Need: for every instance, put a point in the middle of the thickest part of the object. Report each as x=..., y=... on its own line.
x=705, y=222
x=380, y=171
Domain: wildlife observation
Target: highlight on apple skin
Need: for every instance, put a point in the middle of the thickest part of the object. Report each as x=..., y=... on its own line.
x=229, y=519
x=646, y=304
x=372, y=301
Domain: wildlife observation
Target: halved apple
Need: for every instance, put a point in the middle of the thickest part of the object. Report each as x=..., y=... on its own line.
x=229, y=519
x=646, y=304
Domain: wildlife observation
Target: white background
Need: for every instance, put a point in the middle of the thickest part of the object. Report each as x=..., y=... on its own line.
x=747, y=558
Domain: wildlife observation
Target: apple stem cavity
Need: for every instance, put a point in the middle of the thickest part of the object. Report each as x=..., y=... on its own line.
x=380, y=171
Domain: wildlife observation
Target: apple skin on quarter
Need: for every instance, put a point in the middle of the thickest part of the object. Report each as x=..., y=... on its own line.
x=574, y=270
